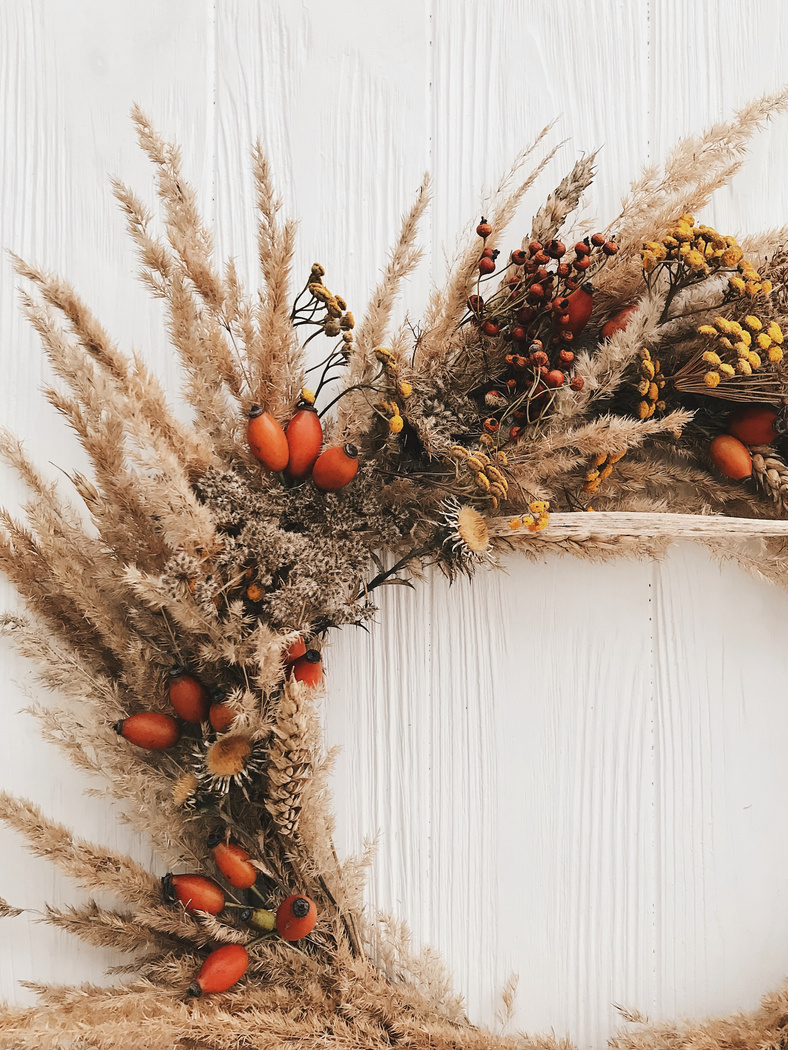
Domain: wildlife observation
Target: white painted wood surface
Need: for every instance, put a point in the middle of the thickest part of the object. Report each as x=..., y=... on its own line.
x=576, y=771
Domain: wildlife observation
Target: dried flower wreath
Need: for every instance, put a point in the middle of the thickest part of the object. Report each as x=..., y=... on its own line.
x=179, y=619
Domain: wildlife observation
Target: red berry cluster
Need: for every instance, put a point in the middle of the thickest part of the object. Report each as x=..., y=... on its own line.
x=536, y=315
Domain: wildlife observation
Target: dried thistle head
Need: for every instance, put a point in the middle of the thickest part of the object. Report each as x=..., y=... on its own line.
x=232, y=759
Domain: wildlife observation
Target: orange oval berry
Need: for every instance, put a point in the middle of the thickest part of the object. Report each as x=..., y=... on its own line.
x=221, y=716
x=753, y=425
x=233, y=862
x=194, y=892
x=335, y=468
x=188, y=696
x=579, y=306
x=297, y=649
x=309, y=668
x=730, y=457
x=618, y=322
x=149, y=729
x=266, y=439
x=221, y=970
x=295, y=917
x=304, y=435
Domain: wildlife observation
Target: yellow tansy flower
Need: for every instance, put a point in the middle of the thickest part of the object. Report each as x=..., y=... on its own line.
x=711, y=358
x=708, y=329
x=395, y=424
x=753, y=323
x=712, y=379
x=775, y=354
x=775, y=332
x=726, y=370
x=737, y=284
x=764, y=341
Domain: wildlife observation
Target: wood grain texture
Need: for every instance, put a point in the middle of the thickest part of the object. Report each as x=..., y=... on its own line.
x=575, y=770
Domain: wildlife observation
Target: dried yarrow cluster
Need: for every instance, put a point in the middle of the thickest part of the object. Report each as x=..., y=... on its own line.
x=181, y=626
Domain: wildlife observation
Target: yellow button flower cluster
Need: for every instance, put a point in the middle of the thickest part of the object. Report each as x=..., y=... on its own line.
x=600, y=469
x=338, y=320
x=649, y=386
x=538, y=519
x=751, y=342
x=488, y=479
x=701, y=249
x=391, y=408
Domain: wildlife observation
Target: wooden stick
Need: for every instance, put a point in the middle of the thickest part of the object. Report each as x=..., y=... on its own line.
x=584, y=525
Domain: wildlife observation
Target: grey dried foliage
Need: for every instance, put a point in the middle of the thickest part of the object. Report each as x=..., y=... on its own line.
x=184, y=551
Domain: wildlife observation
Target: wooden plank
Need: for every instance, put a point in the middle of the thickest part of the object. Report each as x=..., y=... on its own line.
x=573, y=766
x=70, y=75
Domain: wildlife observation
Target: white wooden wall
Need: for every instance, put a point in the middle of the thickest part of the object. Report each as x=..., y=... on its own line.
x=576, y=772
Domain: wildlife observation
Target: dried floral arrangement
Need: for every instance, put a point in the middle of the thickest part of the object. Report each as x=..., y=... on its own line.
x=178, y=618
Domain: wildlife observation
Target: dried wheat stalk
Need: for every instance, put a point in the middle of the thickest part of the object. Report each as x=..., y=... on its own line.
x=772, y=475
